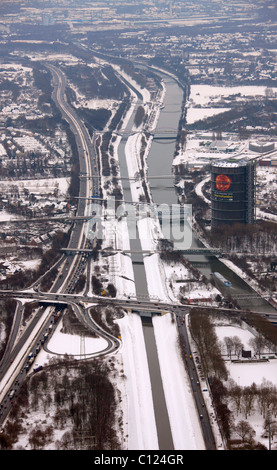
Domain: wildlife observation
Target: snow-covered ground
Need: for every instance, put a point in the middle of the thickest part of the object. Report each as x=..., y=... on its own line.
x=138, y=410
x=183, y=417
x=137, y=403
x=247, y=373
x=39, y=186
x=204, y=102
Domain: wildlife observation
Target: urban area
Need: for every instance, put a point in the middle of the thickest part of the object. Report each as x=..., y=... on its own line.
x=138, y=212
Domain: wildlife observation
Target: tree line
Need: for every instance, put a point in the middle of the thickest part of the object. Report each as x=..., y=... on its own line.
x=81, y=400
x=232, y=401
x=260, y=237
x=228, y=397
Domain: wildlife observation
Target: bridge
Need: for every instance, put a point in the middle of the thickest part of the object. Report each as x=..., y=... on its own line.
x=164, y=137
x=62, y=218
x=135, y=302
x=112, y=251
x=248, y=296
x=133, y=178
x=148, y=252
x=253, y=296
x=201, y=251
x=107, y=252
x=159, y=133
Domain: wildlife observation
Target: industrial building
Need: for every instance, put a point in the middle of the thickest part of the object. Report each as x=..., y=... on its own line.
x=232, y=193
x=261, y=147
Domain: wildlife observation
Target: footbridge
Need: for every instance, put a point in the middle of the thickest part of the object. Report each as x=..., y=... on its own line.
x=253, y=296
x=164, y=133
x=158, y=134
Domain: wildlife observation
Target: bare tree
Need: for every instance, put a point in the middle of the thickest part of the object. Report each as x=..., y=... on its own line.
x=238, y=346
x=270, y=426
x=258, y=344
x=266, y=397
x=245, y=431
x=235, y=394
x=248, y=398
x=229, y=345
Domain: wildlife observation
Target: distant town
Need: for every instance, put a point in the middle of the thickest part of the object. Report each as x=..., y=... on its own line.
x=134, y=102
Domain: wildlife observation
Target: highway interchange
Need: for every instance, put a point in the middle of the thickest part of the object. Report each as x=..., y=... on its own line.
x=15, y=359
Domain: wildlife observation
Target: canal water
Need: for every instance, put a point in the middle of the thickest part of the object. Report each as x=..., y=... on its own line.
x=160, y=163
x=160, y=410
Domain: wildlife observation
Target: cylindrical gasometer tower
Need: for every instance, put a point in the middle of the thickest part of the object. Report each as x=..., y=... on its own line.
x=232, y=193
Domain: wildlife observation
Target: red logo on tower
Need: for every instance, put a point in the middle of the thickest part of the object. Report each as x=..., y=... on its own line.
x=223, y=182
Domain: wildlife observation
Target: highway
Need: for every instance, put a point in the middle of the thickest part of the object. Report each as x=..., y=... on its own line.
x=15, y=362
x=86, y=153
x=143, y=305
x=196, y=386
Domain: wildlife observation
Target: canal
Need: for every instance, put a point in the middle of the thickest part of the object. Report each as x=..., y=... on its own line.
x=160, y=163
x=165, y=441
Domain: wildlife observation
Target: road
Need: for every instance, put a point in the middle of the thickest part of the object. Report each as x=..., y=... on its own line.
x=15, y=359
x=87, y=162
x=196, y=386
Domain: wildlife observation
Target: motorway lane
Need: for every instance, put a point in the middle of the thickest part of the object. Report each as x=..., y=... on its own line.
x=5, y=361
x=197, y=388
x=142, y=305
x=77, y=240
x=13, y=373
x=113, y=344
x=88, y=166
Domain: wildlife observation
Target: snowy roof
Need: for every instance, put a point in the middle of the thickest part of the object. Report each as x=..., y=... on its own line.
x=228, y=164
x=220, y=143
x=2, y=150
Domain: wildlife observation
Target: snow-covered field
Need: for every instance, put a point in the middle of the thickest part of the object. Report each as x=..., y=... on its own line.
x=202, y=98
x=39, y=186
x=138, y=411
x=245, y=374
x=204, y=101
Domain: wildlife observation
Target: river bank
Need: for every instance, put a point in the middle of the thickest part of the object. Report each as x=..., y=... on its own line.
x=251, y=282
